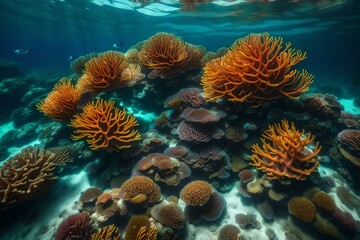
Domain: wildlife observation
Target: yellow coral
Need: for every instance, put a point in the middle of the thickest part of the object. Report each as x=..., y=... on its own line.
x=110, y=232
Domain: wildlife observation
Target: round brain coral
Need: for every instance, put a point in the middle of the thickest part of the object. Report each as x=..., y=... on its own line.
x=105, y=126
x=61, y=102
x=229, y=232
x=138, y=186
x=302, y=208
x=324, y=201
x=256, y=69
x=196, y=193
x=169, y=214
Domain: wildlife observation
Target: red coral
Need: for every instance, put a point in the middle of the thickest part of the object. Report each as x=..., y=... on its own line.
x=76, y=226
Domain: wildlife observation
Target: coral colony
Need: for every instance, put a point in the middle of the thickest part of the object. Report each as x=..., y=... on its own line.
x=241, y=116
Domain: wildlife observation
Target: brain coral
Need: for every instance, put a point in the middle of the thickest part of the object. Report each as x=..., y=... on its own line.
x=302, y=208
x=169, y=214
x=324, y=201
x=140, y=186
x=229, y=232
x=256, y=69
x=61, y=102
x=196, y=193
x=105, y=126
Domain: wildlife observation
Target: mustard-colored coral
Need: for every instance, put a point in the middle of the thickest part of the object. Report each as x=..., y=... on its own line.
x=27, y=175
x=196, y=193
x=140, y=187
x=285, y=152
x=105, y=126
x=324, y=201
x=108, y=71
x=256, y=69
x=110, y=232
x=60, y=104
x=302, y=208
x=140, y=228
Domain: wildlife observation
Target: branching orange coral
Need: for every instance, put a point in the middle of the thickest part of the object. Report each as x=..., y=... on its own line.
x=61, y=102
x=27, y=174
x=108, y=71
x=105, y=126
x=165, y=53
x=110, y=232
x=256, y=69
x=285, y=152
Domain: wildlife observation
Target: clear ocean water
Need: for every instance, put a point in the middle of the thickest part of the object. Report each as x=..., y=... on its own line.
x=179, y=119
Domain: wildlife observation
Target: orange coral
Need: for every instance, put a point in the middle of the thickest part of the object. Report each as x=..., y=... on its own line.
x=196, y=193
x=105, y=126
x=287, y=154
x=110, y=232
x=61, y=102
x=256, y=69
x=108, y=71
x=165, y=53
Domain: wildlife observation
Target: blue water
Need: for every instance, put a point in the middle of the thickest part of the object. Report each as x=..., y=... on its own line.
x=58, y=31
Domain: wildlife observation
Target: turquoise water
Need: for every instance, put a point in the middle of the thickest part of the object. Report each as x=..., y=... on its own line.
x=40, y=41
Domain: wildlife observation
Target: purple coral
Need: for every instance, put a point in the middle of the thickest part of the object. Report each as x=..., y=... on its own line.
x=188, y=132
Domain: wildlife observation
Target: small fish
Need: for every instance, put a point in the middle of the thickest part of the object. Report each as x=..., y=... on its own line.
x=22, y=51
x=70, y=58
x=118, y=45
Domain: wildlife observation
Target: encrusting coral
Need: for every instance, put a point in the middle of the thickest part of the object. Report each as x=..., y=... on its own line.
x=60, y=104
x=105, y=126
x=285, y=152
x=256, y=69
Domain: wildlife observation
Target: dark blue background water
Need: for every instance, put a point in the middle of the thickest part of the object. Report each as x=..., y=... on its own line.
x=55, y=30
